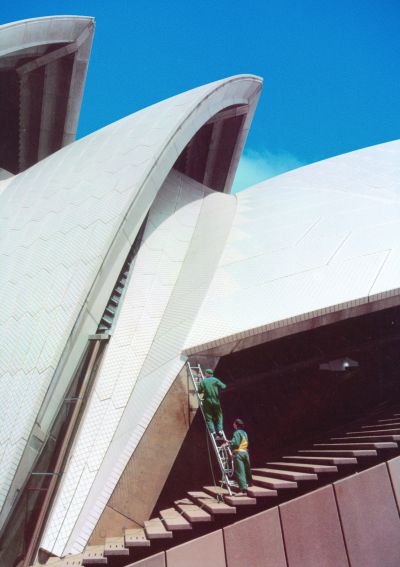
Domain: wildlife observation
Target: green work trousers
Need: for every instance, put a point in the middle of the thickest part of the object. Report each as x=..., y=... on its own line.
x=213, y=415
x=242, y=469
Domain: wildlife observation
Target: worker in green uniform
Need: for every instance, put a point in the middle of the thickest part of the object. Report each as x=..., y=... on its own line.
x=210, y=388
x=239, y=445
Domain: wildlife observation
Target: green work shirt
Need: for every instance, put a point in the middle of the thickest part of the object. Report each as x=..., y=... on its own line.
x=210, y=387
x=239, y=441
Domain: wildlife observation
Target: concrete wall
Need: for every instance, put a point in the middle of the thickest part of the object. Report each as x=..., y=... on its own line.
x=351, y=523
x=139, y=487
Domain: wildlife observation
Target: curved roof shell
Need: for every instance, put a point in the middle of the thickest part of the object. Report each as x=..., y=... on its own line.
x=67, y=225
x=300, y=250
x=306, y=248
x=43, y=63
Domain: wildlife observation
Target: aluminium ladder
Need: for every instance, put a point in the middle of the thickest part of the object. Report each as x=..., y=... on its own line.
x=223, y=454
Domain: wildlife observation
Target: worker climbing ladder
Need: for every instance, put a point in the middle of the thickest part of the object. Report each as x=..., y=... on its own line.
x=222, y=452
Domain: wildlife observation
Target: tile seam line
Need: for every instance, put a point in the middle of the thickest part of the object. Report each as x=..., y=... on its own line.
x=341, y=524
x=283, y=535
x=392, y=486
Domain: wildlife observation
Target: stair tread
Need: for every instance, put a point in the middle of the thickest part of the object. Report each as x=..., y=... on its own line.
x=381, y=425
x=174, y=520
x=341, y=452
x=73, y=560
x=155, y=529
x=307, y=467
x=115, y=546
x=363, y=432
x=261, y=492
x=211, y=504
x=230, y=499
x=371, y=438
x=191, y=511
x=285, y=474
x=275, y=483
x=335, y=460
x=94, y=554
x=366, y=445
x=136, y=537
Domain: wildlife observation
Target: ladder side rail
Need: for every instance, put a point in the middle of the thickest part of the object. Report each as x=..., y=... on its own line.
x=213, y=441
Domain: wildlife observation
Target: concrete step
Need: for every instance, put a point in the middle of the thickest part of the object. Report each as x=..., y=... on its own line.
x=68, y=561
x=305, y=467
x=324, y=460
x=261, y=492
x=378, y=445
x=136, y=537
x=191, y=511
x=115, y=546
x=285, y=474
x=211, y=504
x=155, y=529
x=72, y=561
x=275, y=483
x=366, y=432
x=94, y=555
x=367, y=438
x=381, y=425
x=340, y=453
x=231, y=500
x=174, y=520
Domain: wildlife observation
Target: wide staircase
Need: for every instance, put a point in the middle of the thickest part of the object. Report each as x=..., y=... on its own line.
x=361, y=444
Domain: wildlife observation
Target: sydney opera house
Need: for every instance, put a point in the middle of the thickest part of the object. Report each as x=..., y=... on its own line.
x=124, y=257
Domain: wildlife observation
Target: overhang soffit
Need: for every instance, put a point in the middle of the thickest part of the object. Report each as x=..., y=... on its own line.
x=41, y=31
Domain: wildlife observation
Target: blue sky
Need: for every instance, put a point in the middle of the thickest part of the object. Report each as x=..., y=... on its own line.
x=331, y=68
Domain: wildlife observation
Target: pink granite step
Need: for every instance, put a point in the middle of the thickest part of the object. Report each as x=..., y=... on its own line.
x=366, y=432
x=381, y=425
x=230, y=499
x=367, y=438
x=94, y=555
x=339, y=453
x=155, y=529
x=191, y=511
x=211, y=504
x=324, y=460
x=115, y=546
x=136, y=537
x=377, y=445
x=285, y=474
x=275, y=483
x=261, y=492
x=174, y=520
x=304, y=467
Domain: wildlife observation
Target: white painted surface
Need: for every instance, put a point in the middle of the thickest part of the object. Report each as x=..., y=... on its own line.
x=317, y=239
x=144, y=353
x=66, y=226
